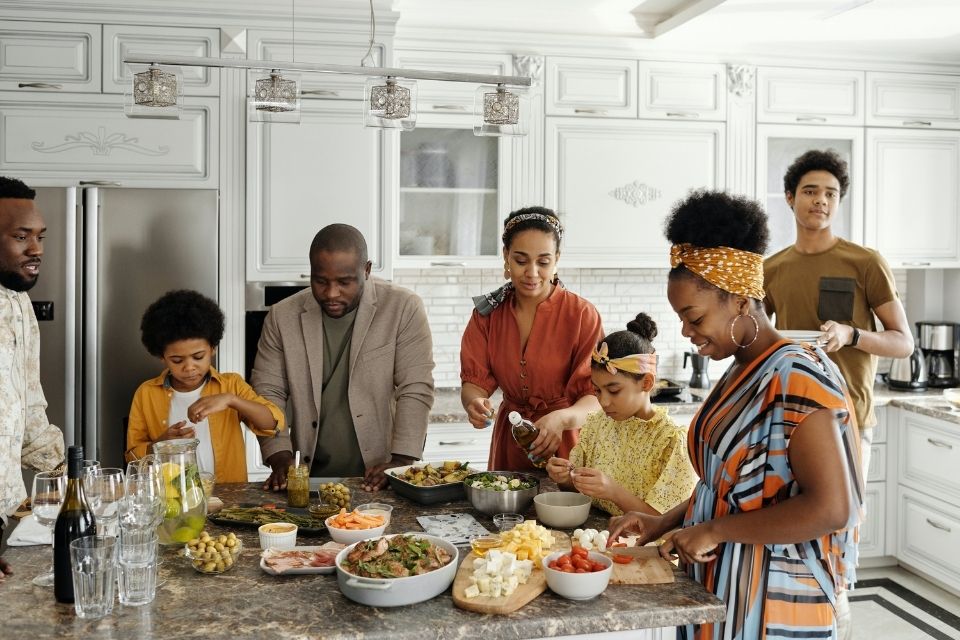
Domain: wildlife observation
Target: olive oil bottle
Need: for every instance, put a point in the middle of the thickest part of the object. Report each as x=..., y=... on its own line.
x=524, y=433
x=75, y=520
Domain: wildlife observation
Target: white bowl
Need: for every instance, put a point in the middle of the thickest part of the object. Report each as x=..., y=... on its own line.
x=278, y=535
x=350, y=536
x=578, y=586
x=562, y=509
x=953, y=397
x=376, y=509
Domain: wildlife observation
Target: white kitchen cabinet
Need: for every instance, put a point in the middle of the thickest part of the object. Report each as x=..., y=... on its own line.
x=119, y=41
x=321, y=48
x=57, y=141
x=454, y=189
x=929, y=456
x=810, y=96
x=300, y=178
x=913, y=196
x=778, y=145
x=682, y=91
x=49, y=56
x=913, y=100
x=929, y=536
x=872, y=539
x=591, y=87
x=458, y=441
x=451, y=97
x=615, y=181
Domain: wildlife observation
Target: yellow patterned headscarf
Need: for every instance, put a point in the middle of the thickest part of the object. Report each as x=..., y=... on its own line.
x=733, y=270
x=638, y=363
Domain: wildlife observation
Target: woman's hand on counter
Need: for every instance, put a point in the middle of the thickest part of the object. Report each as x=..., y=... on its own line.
x=375, y=478
x=280, y=462
x=646, y=526
x=692, y=545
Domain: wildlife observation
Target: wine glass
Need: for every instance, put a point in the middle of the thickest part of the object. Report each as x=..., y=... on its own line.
x=48, y=490
x=110, y=490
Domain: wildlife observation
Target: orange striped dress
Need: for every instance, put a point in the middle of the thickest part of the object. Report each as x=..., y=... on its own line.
x=739, y=443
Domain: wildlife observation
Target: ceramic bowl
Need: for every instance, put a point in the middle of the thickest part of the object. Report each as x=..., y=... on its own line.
x=562, y=509
x=376, y=509
x=278, y=535
x=350, y=536
x=578, y=586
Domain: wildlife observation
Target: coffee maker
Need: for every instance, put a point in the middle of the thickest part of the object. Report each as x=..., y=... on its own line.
x=699, y=379
x=938, y=340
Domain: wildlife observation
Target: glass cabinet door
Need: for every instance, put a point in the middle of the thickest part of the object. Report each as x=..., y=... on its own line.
x=777, y=147
x=449, y=193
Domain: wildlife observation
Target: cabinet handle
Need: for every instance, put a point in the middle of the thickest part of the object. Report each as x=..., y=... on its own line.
x=917, y=123
x=305, y=275
x=98, y=183
x=937, y=525
x=319, y=92
x=457, y=442
x=448, y=264
x=682, y=114
x=449, y=107
x=39, y=85
x=915, y=264
x=940, y=443
x=811, y=119
x=599, y=112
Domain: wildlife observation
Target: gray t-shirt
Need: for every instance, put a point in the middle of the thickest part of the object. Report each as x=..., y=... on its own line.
x=338, y=451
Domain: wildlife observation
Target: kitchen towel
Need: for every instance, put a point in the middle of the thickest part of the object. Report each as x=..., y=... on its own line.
x=30, y=532
x=455, y=528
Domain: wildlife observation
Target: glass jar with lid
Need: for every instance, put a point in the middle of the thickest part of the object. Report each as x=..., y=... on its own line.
x=186, y=504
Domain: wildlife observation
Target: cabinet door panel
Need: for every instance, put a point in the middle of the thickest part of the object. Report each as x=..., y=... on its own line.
x=930, y=455
x=913, y=100
x=811, y=96
x=871, y=529
x=88, y=136
x=122, y=40
x=683, y=91
x=591, y=87
x=913, y=202
x=627, y=175
x=929, y=536
x=301, y=178
x=67, y=55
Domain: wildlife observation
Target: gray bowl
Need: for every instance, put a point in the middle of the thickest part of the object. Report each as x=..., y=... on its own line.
x=489, y=501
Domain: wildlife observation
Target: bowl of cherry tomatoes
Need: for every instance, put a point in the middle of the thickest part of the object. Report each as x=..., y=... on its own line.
x=577, y=574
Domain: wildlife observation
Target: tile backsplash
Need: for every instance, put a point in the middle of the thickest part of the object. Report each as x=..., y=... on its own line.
x=618, y=294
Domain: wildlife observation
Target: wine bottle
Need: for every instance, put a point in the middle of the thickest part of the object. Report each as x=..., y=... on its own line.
x=75, y=520
x=524, y=433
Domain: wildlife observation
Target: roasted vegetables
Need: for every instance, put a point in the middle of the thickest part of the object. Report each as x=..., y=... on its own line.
x=449, y=472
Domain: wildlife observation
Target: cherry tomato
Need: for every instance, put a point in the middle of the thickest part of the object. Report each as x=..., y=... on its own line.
x=580, y=551
x=597, y=566
x=622, y=559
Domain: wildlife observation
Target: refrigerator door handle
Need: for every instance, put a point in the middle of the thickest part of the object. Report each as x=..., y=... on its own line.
x=90, y=383
x=71, y=382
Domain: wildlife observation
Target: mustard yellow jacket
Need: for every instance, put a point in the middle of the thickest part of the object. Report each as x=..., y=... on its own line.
x=151, y=408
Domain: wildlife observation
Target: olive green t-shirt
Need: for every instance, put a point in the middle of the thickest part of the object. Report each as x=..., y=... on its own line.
x=338, y=451
x=845, y=284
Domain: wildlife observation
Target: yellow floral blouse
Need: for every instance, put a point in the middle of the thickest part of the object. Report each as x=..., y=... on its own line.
x=646, y=457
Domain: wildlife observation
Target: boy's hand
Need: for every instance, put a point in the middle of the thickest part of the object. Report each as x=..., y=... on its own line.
x=178, y=430
x=209, y=405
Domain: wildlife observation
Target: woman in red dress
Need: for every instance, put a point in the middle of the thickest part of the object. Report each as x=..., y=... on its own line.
x=532, y=339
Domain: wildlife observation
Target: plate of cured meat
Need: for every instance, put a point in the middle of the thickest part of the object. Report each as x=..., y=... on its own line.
x=301, y=560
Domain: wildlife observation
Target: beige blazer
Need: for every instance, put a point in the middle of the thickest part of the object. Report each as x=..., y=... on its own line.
x=391, y=372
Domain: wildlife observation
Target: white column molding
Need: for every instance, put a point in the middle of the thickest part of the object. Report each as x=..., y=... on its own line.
x=741, y=129
x=528, y=151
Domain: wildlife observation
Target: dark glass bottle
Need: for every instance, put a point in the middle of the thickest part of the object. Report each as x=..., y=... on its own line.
x=75, y=520
x=524, y=433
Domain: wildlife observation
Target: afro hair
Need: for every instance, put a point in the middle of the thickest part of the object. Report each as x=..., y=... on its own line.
x=180, y=315
x=816, y=160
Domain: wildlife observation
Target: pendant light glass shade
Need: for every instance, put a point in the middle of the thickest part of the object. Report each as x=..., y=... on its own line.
x=273, y=97
x=390, y=103
x=155, y=92
x=499, y=111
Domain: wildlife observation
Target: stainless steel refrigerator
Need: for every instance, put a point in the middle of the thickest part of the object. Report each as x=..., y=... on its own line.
x=109, y=253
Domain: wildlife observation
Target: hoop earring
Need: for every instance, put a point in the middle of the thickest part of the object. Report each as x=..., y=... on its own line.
x=506, y=270
x=756, y=330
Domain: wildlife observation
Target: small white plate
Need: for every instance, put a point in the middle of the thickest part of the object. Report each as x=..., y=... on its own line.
x=803, y=335
x=330, y=546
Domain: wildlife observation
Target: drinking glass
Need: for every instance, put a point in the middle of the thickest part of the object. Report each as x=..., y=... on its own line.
x=47, y=496
x=137, y=568
x=110, y=489
x=142, y=505
x=91, y=488
x=93, y=562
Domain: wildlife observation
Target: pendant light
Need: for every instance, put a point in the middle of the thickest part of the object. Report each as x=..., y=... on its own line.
x=275, y=97
x=390, y=103
x=499, y=112
x=156, y=92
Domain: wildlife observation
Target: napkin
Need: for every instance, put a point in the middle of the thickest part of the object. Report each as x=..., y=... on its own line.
x=455, y=528
x=30, y=532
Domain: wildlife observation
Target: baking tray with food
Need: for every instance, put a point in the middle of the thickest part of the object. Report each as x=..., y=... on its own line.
x=254, y=515
x=430, y=482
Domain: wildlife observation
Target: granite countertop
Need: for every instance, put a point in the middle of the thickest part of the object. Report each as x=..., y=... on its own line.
x=248, y=603
x=929, y=402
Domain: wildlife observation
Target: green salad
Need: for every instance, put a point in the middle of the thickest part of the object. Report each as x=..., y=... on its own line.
x=499, y=483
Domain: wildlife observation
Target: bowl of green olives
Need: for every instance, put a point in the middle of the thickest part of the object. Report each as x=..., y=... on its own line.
x=213, y=554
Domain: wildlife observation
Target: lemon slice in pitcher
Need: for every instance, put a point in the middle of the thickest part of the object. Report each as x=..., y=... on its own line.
x=192, y=498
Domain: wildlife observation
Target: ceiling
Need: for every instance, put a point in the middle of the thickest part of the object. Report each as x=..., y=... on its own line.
x=895, y=30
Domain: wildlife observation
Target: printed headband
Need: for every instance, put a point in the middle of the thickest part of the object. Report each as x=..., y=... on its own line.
x=638, y=363
x=733, y=270
x=523, y=217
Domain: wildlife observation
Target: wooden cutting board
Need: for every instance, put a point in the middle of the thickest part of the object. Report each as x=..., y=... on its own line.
x=647, y=567
x=536, y=585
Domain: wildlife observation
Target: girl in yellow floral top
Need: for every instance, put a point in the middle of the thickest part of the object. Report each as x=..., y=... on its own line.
x=632, y=456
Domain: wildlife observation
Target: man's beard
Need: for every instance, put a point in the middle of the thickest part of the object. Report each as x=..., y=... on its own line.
x=16, y=282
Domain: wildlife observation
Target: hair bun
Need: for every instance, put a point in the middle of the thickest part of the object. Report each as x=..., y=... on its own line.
x=644, y=326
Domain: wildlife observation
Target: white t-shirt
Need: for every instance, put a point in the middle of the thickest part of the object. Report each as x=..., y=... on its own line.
x=179, y=404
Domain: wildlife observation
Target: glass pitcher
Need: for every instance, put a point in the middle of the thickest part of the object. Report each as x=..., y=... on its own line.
x=186, y=505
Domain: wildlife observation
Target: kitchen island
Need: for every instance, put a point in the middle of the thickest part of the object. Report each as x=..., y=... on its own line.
x=248, y=603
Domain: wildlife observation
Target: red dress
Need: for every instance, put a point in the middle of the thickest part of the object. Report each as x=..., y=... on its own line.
x=551, y=373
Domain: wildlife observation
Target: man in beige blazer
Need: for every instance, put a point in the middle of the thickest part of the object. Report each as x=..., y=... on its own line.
x=351, y=362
